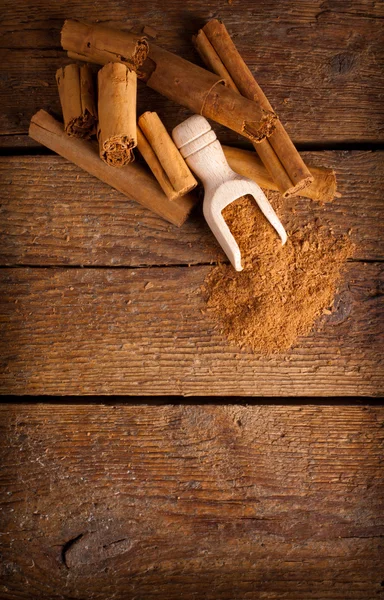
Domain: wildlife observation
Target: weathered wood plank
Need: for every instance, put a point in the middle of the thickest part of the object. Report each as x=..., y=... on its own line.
x=105, y=331
x=13, y=144
x=191, y=502
x=318, y=63
x=52, y=213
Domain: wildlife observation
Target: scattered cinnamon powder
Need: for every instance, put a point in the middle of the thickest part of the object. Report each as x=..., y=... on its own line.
x=282, y=289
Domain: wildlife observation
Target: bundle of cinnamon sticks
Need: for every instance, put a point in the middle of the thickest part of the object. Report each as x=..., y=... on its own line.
x=226, y=93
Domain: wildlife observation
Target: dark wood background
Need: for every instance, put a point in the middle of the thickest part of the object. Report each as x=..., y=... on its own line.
x=237, y=499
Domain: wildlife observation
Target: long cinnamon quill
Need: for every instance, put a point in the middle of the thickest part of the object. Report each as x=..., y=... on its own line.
x=278, y=153
x=211, y=59
x=176, y=78
x=247, y=163
x=132, y=180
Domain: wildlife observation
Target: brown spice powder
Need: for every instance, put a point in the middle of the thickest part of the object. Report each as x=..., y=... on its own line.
x=282, y=290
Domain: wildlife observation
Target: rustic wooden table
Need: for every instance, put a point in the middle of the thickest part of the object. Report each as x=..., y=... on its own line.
x=187, y=500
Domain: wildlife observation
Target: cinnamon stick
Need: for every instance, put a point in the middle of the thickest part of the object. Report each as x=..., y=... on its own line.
x=117, y=114
x=174, y=170
x=211, y=58
x=153, y=162
x=282, y=160
x=176, y=78
x=77, y=100
x=132, y=180
x=101, y=45
x=246, y=163
x=263, y=148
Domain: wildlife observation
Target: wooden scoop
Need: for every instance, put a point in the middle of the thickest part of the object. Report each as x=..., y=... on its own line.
x=203, y=153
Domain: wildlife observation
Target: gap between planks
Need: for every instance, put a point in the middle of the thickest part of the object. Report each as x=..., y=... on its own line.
x=28, y=147
x=150, y=266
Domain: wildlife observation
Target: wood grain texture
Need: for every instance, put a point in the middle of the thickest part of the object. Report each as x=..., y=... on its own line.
x=13, y=144
x=143, y=331
x=53, y=213
x=193, y=502
x=325, y=83
x=196, y=502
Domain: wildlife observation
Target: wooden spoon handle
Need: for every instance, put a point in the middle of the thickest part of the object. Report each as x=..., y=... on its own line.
x=202, y=151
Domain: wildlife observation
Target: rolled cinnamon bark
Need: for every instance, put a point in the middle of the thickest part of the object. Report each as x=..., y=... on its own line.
x=132, y=180
x=263, y=148
x=211, y=58
x=282, y=160
x=77, y=98
x=153, y=163
x=173, y=164
x=177, y=79
x=322, y=189
x=101, y=45
x=117, y=114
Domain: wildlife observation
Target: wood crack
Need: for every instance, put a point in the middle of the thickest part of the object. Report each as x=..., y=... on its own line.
x=67, y=547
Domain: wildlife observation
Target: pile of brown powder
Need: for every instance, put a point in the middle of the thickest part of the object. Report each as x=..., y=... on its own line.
x=282, y=289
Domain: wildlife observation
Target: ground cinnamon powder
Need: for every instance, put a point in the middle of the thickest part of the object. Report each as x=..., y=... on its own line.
x=282, y=289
